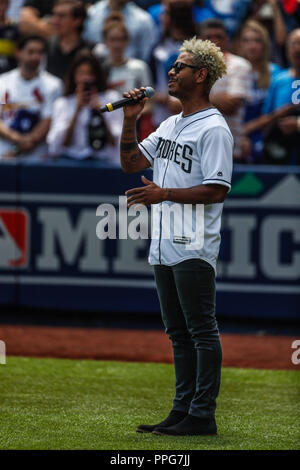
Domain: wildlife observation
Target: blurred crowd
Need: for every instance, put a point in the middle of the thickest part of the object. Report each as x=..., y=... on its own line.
x=61, y=60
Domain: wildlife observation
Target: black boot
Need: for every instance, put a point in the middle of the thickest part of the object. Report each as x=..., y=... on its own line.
x=189, y=426
x=173, y=418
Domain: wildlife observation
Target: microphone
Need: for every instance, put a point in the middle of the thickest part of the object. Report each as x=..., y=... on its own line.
x=148, y=93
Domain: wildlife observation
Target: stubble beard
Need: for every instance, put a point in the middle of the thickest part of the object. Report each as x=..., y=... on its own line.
x=175, y=94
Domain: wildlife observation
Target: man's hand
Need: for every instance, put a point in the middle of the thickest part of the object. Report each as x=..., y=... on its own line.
x=133, y=111
x=151, y=193
x=83, y=97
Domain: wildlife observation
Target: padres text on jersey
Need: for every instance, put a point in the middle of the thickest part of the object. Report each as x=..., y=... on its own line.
x=186, y=151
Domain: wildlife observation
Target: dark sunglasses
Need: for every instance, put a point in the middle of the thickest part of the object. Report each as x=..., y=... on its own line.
x=181, y=65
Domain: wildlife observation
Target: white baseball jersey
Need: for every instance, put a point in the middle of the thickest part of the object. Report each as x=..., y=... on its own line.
x=23, y=103
x=187, y=151
x=79, y=148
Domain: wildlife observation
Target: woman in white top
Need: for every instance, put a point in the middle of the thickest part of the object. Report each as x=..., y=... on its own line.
x=123, y=73
x=78, y=129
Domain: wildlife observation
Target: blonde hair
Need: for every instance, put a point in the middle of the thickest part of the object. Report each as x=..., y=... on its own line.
x=264, y=75
x=207, y=55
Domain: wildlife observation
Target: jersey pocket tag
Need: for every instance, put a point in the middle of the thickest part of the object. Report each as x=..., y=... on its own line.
x=182, y=240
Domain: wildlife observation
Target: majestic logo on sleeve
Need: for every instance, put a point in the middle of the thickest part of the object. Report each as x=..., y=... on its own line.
x=13, y=238
x=173, y=151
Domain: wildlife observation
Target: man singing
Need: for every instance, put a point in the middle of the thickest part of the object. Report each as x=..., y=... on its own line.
x=191, y=157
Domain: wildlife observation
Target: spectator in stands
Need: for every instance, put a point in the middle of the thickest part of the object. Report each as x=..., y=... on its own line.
x=281, y=113
x=230, y=93
x=141, y=27
x=231, y=12
x=36, y=15
x=8, y=39
x=255, y=47
x=178, y=24
x=79, y=131
x=271, y=15
x=27, y=96
x=67, y=21
x=123, y=73
x=200, y=12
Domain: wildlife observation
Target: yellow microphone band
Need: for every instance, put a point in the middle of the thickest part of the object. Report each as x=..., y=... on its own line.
x=109, y=107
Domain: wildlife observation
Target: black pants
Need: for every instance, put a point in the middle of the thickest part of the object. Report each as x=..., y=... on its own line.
x=187, y=298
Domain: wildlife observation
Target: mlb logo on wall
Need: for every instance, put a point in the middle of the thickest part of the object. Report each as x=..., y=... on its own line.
x=14, y=227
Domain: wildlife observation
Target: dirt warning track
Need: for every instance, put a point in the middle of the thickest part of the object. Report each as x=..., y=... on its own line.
x=250, y=351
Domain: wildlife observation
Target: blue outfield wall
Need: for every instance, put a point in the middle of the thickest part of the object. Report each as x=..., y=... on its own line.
x=51, y=257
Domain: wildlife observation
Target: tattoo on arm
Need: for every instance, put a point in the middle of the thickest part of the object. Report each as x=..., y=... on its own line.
x=128, y=146
x=129, y=150
x=134, y=158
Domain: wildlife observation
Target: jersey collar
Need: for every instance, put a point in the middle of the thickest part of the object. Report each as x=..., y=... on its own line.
x=196, y=112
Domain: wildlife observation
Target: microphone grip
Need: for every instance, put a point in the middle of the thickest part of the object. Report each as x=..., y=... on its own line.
x=116, y=105
x=121, y=103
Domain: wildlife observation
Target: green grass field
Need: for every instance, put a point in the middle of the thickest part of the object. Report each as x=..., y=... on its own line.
x=68, y=404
